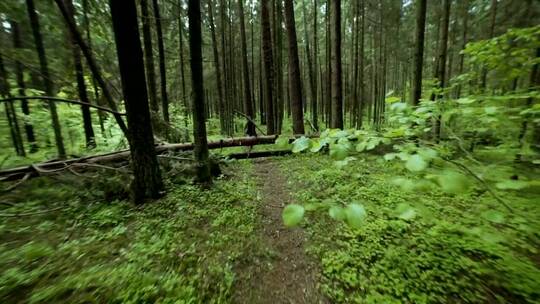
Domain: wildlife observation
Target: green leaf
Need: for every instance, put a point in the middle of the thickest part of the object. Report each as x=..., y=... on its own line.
x=392, y=99
x=512, y=185
x=282, y=142
x=292, y=215
x=339, y=151
x=453, y=182
x=416, y=163
x=361, y=146
x=405, y=212
x=337, y=213
x=301, y=144
x=390, y=156
x=493, y=216
x=355, y=215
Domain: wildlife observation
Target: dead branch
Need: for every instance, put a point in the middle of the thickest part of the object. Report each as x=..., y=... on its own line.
x=253, y=122
x=70, y=101
x=17, y=184
x=31, y=213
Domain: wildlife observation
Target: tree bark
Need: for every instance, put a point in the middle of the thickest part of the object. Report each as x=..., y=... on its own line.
x=295, y=84
x=491, y=32
x=199, y=124
x=337, y=98
x=268, y=66
x=96, y=72
x=463, y=43
x=10, y=112
x=441, y=74
x=47, y=81
x=29, y=129
x=248, y=106
x=81, y=85
x=217, y=67
x=162, y=67
x=147, y=181
x=149, y=56
x=419, y=51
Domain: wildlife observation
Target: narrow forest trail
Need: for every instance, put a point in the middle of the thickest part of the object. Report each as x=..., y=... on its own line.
x=287, y=275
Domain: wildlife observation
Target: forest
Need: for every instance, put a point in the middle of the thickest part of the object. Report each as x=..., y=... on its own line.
x=270, y=151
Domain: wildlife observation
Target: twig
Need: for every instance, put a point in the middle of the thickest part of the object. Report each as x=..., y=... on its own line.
x=98, y=166
x=311, y=125
x=12, y=187
x=251, y=120
x=30, y=213
x=77, y=102
x=175, y=157
x=483, y=182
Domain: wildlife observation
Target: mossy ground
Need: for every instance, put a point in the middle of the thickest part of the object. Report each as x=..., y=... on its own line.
x=190, y=246
x=453, y=251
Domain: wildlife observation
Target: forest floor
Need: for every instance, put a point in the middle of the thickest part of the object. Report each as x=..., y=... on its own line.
x=292, y=276
x=65, y=239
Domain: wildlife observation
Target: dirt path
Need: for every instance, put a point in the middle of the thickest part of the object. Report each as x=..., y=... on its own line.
x=287, y=275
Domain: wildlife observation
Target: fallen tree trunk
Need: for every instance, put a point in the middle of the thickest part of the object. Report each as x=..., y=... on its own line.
x=34, y=170
x=248, y=155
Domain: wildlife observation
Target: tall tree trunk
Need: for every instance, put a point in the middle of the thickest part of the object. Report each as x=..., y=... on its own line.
x=279, y=86
x=149, y=56
x=217, y=66
x=419, y=51
x=295, y=84
x=314, y=110
x=248, y=106
x=147, y=181
x=10, y=112
x=86, y=22
x=182, y=71
x=464, y=38
x=199, y=124
x=337, y=98
x=81, y=85
x=162, y=67
x=47, y=82
x=29, y=129
x=441, y=74
x=268, y=66
x=491, y=32
x=362, y=64
x=94, y=68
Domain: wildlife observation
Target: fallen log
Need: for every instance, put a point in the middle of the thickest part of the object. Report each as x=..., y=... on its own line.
x=258, y=154
x=34, y=170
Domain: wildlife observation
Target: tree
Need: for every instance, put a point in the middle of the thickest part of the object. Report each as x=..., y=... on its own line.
x=147, y=181
x=81, y=85
x=419, y=51
x=44, y=70
x=337, y=99
x=199, y=123
x=10, y=112
x=162, y=68
x=149, y=56
x=28, y=127
x=441, y=66
x=295, y=84
x=248, y=106
x=268, y=66
x=217, y=67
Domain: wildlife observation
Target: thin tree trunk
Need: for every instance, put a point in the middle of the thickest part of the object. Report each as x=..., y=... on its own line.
x=149, y=56
x=337, y=98
x=361, y=76
x=29, y=129
x=441, y=75
x=81, y=85
x=463, y=43
x=182, y=71
x=493, y=18
x=199, y=124
x=10, y=112
x=47, y=82
x=147, y=181
x=268, y=66
x=295, y=84
x=162, y=67
x=248, y=106
x=314, y=110
x=217, y=66
x=419, y=51
x=86, y=22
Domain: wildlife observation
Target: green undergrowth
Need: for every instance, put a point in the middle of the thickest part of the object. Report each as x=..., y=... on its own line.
x=182, y=248
x=419, y=246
